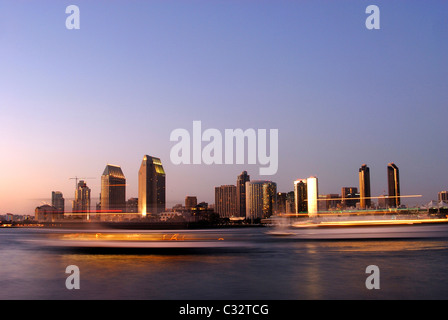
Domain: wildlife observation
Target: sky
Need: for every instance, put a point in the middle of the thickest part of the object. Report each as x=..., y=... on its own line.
x=340, y=95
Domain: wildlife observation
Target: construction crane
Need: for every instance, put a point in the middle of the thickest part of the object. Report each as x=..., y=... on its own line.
x=76, y=178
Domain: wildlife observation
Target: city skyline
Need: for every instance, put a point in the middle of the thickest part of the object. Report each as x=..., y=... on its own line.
x=115, y=174
x=339, y=94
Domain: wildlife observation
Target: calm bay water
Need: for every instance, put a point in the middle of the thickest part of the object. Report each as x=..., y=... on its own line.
x=272, y=268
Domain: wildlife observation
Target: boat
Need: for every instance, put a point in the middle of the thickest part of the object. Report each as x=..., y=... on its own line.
x=391, y=227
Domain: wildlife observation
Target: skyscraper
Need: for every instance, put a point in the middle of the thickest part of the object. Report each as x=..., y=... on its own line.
x=260, y=199
x=225, y=201
x=113, y=189
x=151, y=186
x=81, y=204
x=290, y=203
x=269, y=198
x=57, y=201
x=300, y=196
x=241, y=193
x=393, y=183
x=312, y=196
x=364, y=187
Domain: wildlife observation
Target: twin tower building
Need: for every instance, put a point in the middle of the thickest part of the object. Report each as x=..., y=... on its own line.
x=151, y=188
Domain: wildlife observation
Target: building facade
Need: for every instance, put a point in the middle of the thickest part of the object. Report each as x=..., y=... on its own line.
x=312, y=196
x=349, y=197
x=191, y=202
x=47, y=213
x=364, y=187
x=81, y=204
x=225, y=201
x=300, y=196
x=261, y=197
x=241, y=193
x=113, y=190
x=393, y=183
x=443, y=196
x=151, y=187
x=58, y=201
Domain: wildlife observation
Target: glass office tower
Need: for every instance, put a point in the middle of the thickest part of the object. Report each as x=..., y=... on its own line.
x=364, y=187
x=300, y=196
x=151, y=187
x=241, y=193
x=393, y=182
x=113, y=190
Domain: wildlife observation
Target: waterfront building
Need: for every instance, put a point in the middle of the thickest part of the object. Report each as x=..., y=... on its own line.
x=81, y=204
x=191, y=202
x=241, y=193
x=281, y=202
x=300, y=196
x=364, y=187
x=332, y=201
x=443, y=196
x=225, y=201
x=312, y=196
x=58, y=201
x=151, y=186
x=393, y=183
x=290, y=203
x=47, y=213
x=261, y=197
x=349, y=196
x=113, y=190
x=269, y=198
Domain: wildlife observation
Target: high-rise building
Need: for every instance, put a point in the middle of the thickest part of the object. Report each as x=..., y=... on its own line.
x=260, y=199
x=225, y=201
x=393, y=183
x=364, y=187
x=57, y=201
x=190, y=202
x=151, y=186
x=312, y=196
x=81, y=204
x=349, y=197
x=443, y=196
x=300, y=196
x=241, y=193
x=269, y=198
x=113, y=190
x=290, y=203
x=281, y=202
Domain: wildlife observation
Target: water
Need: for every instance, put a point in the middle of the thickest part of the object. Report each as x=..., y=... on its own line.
x=273, y=268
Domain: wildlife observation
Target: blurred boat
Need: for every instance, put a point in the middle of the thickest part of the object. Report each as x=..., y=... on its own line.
x=138, y=240
x=362, y=228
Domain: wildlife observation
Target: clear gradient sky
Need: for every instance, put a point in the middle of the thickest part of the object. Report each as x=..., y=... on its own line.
x=340, y=95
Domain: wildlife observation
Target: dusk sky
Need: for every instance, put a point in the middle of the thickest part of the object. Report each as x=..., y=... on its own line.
x=340, y=95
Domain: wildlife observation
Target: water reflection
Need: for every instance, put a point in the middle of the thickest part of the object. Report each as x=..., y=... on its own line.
x=270, y=268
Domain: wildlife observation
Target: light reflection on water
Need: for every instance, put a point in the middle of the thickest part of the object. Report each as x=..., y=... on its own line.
x=273, y=269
